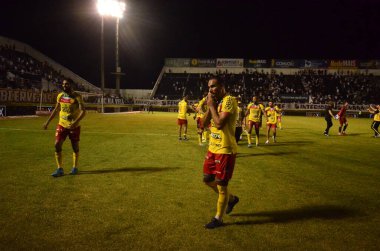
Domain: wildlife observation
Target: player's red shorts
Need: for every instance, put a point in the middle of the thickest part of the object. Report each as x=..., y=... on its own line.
x=182, y=121
x=220, y=165
x=274, y=126
x=342, y=120
x=61, y=133
x=199, y=123
x=254, y=124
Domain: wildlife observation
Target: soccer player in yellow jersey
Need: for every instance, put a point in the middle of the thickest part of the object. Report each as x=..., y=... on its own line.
x=219, y=164
x=182, y=118
x=376, y=120
x=254, y=113
x=201, y=109
x=279, y=118
x=71, y=110
x=271, y=114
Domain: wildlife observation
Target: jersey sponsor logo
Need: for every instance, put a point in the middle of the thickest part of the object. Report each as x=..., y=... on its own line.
x=216, y=136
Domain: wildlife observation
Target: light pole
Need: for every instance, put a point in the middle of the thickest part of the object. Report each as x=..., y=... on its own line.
x=115, y=9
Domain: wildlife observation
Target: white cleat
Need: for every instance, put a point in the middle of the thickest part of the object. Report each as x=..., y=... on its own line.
x=267, y=142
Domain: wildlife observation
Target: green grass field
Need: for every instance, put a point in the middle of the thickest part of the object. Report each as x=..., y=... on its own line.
x=139, y=188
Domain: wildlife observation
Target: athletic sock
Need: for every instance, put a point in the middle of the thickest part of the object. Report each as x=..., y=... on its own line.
x=344, y=128
x=222, y=202
x=257, y=140
x=75, y=159
x=199, y=138
x=249, y=138
x=58, y=159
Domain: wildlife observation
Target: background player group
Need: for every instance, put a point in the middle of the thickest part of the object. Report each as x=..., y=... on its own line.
x=246, y=120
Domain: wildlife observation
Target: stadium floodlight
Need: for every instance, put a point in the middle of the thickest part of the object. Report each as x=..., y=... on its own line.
x=115, y=9
x=111, y=8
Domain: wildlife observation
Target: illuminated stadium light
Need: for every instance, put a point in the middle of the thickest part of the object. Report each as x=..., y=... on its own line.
x=111, y=8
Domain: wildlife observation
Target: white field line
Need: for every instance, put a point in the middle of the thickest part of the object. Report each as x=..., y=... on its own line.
x=89, y=132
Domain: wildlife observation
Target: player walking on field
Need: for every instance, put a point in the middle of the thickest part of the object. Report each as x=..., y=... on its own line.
x=219, y=163
x=328, y=117
x=254, y=113
x=201, y=109
x=182, y=118
x=376, y=119
x=343, y=119
x=271, y=114
x=71, y=111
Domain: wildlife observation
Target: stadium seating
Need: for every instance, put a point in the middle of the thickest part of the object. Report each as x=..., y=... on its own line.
x=317, y=86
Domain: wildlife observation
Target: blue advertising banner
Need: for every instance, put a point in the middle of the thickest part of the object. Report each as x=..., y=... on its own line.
x=279, y=63
x=315, y=63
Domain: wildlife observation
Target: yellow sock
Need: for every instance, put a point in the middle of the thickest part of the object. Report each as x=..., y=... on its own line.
x=279, y=124
x=58, y=159
x=199, y=138
x=222, y=202
x=249, y=138
x=257, y=140
x=75, y=159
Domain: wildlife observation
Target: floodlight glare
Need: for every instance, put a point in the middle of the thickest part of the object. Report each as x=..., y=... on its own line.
x=111, y=8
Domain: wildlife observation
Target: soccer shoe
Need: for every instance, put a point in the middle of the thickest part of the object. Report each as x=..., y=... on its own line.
x=214, y=223
x=326, y=134
x=267, y=142
x=186, y=139
x=74, y=171
x=179, y=138
x=58, y=172
x=231, y=205
x=249, y=145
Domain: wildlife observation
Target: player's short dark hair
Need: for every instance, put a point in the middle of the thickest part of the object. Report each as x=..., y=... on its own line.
x=218, y=79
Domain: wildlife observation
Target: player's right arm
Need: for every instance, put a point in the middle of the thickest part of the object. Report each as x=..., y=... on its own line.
x=52, y=115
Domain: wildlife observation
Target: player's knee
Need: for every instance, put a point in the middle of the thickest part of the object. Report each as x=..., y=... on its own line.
x=207, y=178
x=222, y=183
x=58, y=147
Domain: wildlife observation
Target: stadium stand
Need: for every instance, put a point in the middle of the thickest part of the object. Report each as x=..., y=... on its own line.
x=308, y=86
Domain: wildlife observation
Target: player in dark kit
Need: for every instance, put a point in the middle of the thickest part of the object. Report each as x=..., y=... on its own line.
x=328, y=117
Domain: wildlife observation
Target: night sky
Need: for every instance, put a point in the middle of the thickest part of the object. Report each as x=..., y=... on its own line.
x=68, y=31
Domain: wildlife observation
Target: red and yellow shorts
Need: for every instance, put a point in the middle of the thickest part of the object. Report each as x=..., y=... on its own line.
x=252, y=124
x=219, y=165
x=273, y=126
x=61, y=133
x=182, y=121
